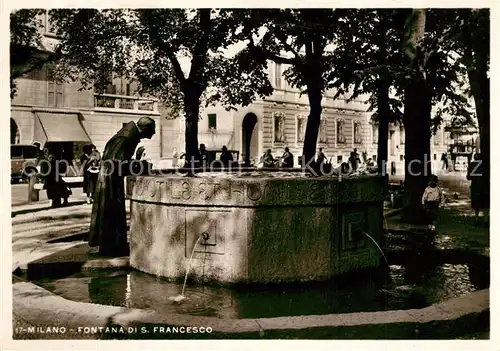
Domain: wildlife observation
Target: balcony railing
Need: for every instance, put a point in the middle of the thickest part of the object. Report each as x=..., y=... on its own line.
x=125, y=103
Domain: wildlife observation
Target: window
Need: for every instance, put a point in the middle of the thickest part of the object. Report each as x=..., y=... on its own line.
x=374, y=134
x=322, y=131
x=357, y=133
x=374, y=158
x=436, y=139
x=402, y=135
x=49, y=27
x=30, y=152
x=35, y=74
x=277, y=75
x=340, y=131
x=401, y=157
x=301, y=128
x=339, y=159
x=279, y=127
x=16, y=152
x=212, y=121
x=55, y=89
x=435, y=157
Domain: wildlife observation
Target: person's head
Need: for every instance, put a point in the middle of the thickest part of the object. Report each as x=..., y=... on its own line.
x=477, y=156
x=37, y=144
x=433, y=180
x=94, y=148
x=287, y=149
x=355, y=150
x=202, y=147
x=320, y=149
x=139, y=153
x=224, y=148
x=87, y=149
x=147, y=127
x=268, y=151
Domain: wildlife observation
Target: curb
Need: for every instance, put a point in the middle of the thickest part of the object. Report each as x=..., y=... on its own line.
x=445, y=320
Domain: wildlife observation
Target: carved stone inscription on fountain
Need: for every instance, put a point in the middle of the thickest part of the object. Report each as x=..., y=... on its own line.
x=232, y=192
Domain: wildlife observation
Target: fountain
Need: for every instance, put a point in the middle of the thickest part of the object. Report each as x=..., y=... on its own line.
x=230, y=230
x=263, y=227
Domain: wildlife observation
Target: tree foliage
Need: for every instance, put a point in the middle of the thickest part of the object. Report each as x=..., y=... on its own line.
x=178, y=55
x=301, y=39
x=26, y=50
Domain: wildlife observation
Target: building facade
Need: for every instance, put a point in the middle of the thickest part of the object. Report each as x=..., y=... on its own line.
x=279, y=121
x=49, y=111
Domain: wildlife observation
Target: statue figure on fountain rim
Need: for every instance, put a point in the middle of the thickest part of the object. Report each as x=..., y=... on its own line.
x=108, y=224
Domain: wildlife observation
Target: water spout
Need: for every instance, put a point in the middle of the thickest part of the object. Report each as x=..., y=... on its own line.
x=181, y=297
x=379, y=248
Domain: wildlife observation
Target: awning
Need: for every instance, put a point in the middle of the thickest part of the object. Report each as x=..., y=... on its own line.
x=54, y=127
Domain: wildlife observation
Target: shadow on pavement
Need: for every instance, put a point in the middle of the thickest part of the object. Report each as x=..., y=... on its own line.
x=38, y=209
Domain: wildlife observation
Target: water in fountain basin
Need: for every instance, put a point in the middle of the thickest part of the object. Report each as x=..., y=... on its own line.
x=181, y=297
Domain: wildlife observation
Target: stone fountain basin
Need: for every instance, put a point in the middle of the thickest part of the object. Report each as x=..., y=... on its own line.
x=37, y=306
x=261, y=227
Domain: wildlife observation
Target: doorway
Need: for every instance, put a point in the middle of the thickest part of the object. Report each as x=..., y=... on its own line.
x=14, y=132
x=250, y=138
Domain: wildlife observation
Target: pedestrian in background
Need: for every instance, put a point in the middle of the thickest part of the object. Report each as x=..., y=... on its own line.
x=94, y=163
x=56, y=187
x=287, y=158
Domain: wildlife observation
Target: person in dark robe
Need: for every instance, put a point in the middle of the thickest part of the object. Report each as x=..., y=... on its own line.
x=54, y=184
x=226, y=158
x=287, y=159
x=108, y=225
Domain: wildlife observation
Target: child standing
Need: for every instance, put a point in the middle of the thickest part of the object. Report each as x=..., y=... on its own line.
x=431, y=199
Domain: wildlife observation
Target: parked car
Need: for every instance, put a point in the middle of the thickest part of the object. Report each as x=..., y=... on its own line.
x=23, y=161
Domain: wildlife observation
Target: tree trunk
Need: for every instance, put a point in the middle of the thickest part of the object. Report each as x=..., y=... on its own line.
x=383, y=125
x=417, y=120
x=417, y=123
x=314, y=66
x=476, y=55
x=192, y=110
x=312, y=127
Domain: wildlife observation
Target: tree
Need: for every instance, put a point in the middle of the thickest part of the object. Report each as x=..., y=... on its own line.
x=369, y=60
x=432, y=78
x=299, y=38
x=149, y=45
x=27, y=52
x=469, y=37
x=366, y=62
